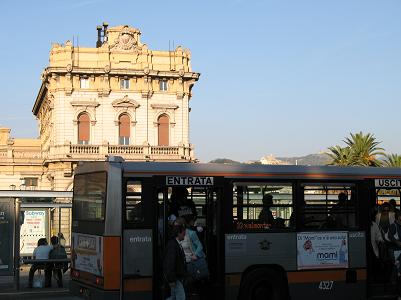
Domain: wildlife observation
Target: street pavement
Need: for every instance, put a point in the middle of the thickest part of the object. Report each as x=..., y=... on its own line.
x=8, y=290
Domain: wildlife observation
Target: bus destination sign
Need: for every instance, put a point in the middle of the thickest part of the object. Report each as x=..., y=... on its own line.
x=189, y=180
x=388, y=183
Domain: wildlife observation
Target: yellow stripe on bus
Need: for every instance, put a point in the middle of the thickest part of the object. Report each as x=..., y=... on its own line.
x=305, y=276
x=325, y=275
x=138, y=284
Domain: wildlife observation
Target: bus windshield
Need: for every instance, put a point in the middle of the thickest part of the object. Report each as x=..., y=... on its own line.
x=89, y=196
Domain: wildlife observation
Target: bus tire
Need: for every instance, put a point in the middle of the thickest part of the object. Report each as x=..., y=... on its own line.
x=263, y=284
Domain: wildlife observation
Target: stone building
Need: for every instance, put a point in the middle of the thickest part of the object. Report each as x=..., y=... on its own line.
x=20, y=162
x=118, y=98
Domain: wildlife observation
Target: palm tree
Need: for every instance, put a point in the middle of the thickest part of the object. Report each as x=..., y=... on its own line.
x=364, y=149
x=392, y=160
x=340, y=155
x=360, y=150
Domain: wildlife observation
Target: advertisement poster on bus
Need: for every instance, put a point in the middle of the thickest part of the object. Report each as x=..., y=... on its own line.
x=33, y=228
x=322, y=250
x=88, y=253
x=6, y=236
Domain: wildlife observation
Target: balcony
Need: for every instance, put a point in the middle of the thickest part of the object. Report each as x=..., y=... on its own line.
x=70, y=152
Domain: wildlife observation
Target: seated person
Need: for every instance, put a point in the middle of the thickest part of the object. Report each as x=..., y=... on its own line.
x=41, y=252
x=265, y=215
x=58, y=252
x=279, y=223
x=338, y=213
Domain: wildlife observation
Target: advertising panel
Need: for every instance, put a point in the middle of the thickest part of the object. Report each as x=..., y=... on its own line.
x=322, y=250
x=6, y=236
x=33, y=228
x=87, y=253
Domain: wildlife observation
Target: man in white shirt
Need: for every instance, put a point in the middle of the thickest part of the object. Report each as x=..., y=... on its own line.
x=41, y=252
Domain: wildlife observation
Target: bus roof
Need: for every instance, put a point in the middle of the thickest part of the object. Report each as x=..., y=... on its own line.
x=244, y=170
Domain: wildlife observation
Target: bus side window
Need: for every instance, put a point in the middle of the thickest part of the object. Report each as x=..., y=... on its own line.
x=134, y=203
x=328, y=206
x=262, y=205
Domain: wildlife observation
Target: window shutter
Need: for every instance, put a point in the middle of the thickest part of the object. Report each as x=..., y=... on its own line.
x=83, y=127
x=163, y=128
x=124, y=123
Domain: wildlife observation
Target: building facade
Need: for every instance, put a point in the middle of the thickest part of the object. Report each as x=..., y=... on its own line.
x=118, y=98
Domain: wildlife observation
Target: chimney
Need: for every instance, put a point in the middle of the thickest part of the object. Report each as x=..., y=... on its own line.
x=105, y=25
x=99, y=37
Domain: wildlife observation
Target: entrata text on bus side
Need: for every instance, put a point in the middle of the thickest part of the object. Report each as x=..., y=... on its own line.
x=268, y=232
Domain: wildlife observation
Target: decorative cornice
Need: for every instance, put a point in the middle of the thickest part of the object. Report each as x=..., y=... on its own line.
x=85, y=103
x=39, y=98
x=163, y=106
x=123, y=72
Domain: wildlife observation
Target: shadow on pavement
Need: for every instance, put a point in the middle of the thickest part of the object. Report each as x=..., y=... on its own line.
x=8, y=289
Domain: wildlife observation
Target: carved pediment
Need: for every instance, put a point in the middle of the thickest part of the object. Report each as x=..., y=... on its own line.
x=127, y=40
x=125, y=102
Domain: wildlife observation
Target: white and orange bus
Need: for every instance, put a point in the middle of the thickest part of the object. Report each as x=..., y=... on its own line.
x=317, y=247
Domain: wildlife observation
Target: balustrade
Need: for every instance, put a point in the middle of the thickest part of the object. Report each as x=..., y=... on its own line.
x=164, y=150
x=122, y=149
x=129, y=152
x=84, y=149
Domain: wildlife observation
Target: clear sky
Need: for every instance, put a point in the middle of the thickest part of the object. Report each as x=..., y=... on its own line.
x=281, y=77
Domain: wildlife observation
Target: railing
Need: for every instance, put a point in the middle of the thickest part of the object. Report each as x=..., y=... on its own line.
x=125, y=149
x=164, y=150
x=12, y=155
x=27, y=154
x=128, y=152
x=84, y=149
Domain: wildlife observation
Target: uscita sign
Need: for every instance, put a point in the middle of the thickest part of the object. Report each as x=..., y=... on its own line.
x=388, y=183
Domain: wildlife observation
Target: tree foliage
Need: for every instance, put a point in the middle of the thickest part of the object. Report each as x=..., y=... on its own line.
x=392, y=160
x=340, y=156
x=360, y=150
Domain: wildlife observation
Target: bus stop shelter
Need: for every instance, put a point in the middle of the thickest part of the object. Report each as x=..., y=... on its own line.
x=11, y=219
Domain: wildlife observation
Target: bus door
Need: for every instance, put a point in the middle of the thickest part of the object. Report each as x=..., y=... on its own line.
x=137, y=239
x=206, y=208
x=385, y=200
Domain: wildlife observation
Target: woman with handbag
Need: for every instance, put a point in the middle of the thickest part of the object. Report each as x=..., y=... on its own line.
x=194, y=256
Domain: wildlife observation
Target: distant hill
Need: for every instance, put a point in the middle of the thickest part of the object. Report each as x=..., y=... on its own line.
x=308, y=160
x=224, y=161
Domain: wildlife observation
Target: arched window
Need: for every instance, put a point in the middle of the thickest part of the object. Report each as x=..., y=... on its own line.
x=163, y=130
x=124, y=129
x=83, y=129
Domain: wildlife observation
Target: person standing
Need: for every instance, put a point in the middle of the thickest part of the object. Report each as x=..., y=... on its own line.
x=174, y=263
x=180, y=205
x=383, y=246
x=393, y=207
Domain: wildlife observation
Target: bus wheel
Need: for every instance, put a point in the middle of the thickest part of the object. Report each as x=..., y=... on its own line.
x=263, y=284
